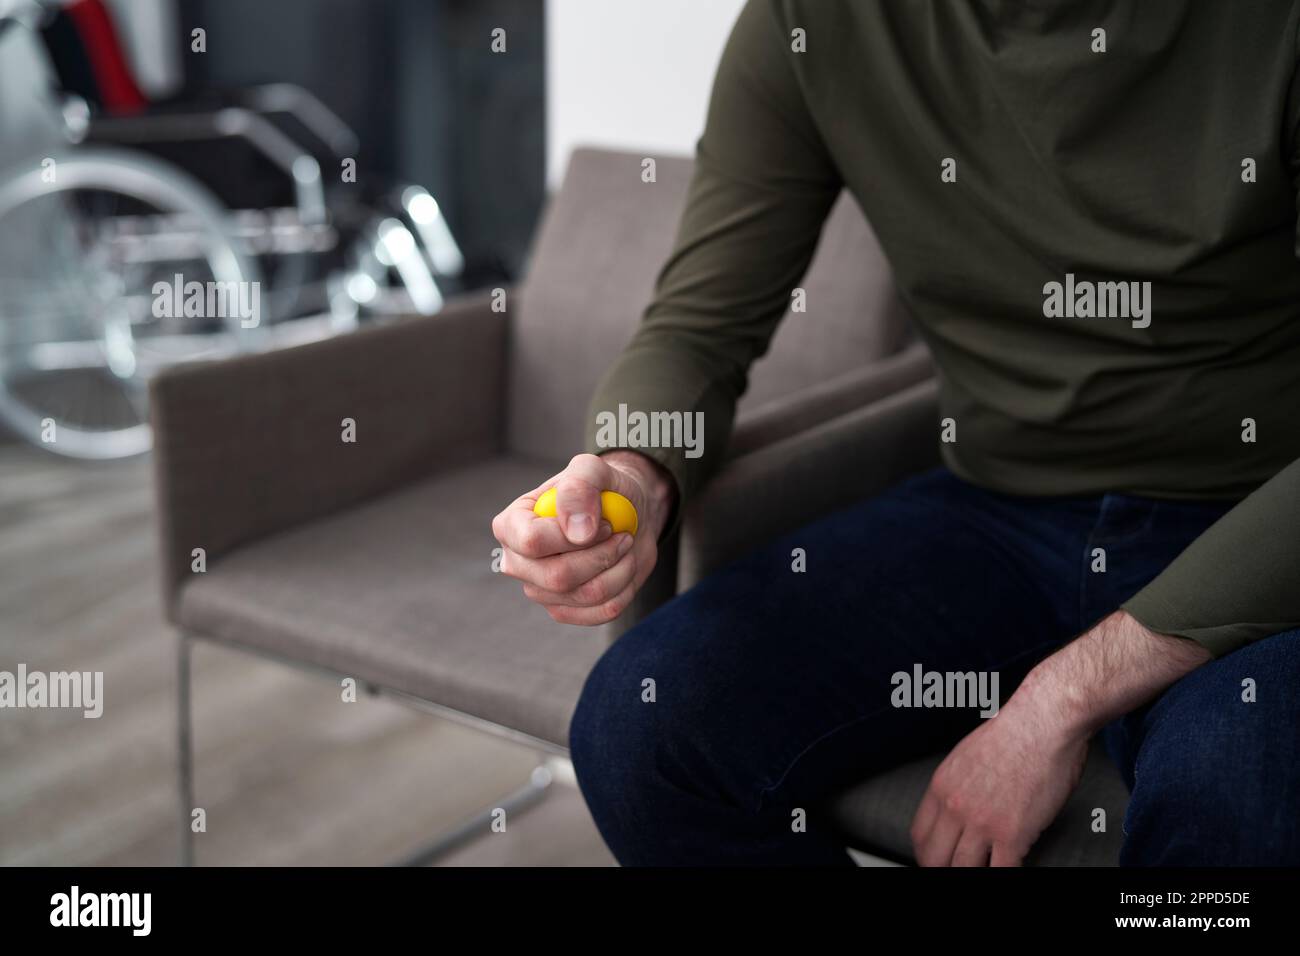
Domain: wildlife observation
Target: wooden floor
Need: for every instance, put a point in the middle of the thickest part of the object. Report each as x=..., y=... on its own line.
x=285, y=775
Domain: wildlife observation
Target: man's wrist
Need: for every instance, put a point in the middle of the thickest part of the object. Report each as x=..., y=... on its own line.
x=1066, y=706
x=1115, y=667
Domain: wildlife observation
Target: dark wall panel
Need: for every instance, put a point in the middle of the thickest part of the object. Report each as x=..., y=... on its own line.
x=419, y=83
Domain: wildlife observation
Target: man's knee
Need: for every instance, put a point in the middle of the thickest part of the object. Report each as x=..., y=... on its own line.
x=605, y=711
x=616, y=728
x=1216, y=779
x=649, y=706
x=1203, y=816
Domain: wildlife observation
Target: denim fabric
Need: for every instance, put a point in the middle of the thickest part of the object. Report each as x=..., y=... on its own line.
x=764, y=689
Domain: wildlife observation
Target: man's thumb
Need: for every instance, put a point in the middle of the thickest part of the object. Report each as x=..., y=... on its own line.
x=577, y=506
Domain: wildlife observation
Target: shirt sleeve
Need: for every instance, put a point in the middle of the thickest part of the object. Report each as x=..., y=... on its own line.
x=763, y=185
x=1240, y=580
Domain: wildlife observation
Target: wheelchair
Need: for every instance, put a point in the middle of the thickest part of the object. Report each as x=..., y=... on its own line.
x=111, y=206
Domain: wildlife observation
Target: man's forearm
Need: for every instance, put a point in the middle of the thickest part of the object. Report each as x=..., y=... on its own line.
x=1114, y=668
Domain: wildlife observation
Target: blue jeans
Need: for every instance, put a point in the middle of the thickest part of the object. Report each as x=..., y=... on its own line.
x=772, y=687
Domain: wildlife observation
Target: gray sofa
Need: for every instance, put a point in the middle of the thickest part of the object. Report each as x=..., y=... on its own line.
x=373, y=559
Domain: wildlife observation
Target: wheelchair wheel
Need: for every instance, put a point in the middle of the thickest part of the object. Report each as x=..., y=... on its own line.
x=98, y=249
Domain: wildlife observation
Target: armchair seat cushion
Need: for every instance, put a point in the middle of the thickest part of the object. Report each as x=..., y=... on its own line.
x=876, y=814
x=400, y=592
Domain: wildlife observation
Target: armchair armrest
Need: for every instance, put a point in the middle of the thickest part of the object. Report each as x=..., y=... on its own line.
x=252, y=445
x=811, y=406
x=806, y=475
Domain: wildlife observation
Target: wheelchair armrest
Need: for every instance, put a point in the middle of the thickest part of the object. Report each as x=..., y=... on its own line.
x=322, y=123
x=144, y=130
x=784, y=485
x=253, y=445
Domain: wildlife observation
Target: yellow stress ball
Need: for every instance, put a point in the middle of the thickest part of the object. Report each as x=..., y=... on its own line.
x=614, y=508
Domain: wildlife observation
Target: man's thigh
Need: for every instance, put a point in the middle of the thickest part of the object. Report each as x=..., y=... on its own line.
x=777, y=673
x=1214, y=763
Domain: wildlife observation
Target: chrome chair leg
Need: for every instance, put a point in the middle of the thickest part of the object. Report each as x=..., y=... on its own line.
x=529, y=795
x=185, y=750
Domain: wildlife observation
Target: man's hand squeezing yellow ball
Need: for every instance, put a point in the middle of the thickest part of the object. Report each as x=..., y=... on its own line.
x=614, y=508
x=584, y=541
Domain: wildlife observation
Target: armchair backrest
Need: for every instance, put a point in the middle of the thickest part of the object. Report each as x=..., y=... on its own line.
x=602, y=242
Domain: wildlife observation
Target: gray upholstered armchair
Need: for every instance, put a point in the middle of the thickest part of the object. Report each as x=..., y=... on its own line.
x=373, y=559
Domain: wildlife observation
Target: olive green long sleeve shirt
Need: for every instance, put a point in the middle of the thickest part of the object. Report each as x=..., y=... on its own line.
x=1095, y=233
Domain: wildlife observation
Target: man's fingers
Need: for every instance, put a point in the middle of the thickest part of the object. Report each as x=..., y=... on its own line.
x=520, y=530
x=938, y=846
x=529, y=536
x=1005, y=856
x=599, y=589
x=926, y=814
x=593, y=616
x=972, y=850
x=562, y=573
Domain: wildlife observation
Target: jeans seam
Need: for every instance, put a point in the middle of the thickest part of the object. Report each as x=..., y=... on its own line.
x=1141, y=529
x=1081, y=623
x=1082, y=567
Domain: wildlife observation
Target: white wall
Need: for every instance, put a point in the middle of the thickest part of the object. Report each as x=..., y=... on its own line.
x=630, y=74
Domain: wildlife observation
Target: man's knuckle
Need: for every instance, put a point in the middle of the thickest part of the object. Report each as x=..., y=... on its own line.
x=592, y=592
x=609, y=555
x=555, y=577
x=531, y=540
